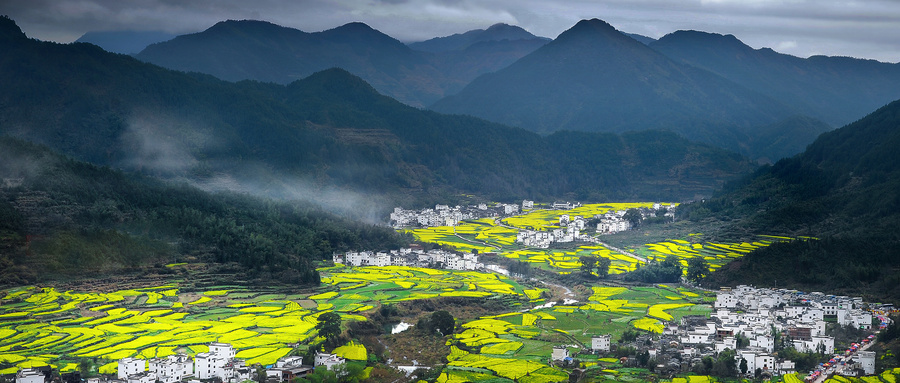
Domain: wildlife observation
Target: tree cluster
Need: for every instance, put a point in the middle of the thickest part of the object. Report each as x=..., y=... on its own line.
x=667, y=271
x=440, y=322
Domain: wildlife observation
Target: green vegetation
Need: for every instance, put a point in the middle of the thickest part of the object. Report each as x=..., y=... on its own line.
x=842, y=190
x=65, y=218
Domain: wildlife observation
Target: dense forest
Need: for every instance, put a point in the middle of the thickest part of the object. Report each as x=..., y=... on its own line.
x=61, y=217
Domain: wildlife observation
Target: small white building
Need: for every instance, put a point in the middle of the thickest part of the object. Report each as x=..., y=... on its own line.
x=600, y=343
x=172, y=368
x=142, y=377
x=218, y=362
x=559, y=353
x=130, y=366
x=526, y=204
x=867, y=361
x=330, y=361
x=29, y=375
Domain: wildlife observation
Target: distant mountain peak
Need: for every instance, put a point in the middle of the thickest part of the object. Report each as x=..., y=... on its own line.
x=357, y=26
x=596, y=34
x=592, y=28
x=592, y=24
x=700, y=37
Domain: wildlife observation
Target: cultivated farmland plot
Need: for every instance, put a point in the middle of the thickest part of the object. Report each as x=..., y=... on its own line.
x=498, y=236
x=43, y=326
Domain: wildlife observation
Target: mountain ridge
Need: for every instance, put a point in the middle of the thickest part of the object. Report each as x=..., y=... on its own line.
x=837, y=90
x=461, y=41
x=329, y=136
x=594, y=78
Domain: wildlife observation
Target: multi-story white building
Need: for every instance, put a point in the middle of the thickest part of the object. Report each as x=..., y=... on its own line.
x=600, y=343
x=172, y=368
x=866, y=361
x=130, y=366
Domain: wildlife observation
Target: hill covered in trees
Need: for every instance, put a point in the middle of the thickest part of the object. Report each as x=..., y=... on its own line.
x=842, y=190
x=62, y=218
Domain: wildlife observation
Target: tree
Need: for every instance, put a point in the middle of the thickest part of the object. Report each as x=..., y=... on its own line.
x=84, y=367
x=603, y=265
x=443, y=322
x=743, y=366
x=724, y=365
x=634, y=216
x=587, y=264
x=697, y=269
x=329, y=327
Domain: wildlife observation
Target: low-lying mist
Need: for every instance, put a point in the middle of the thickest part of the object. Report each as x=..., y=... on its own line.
x=180, y=150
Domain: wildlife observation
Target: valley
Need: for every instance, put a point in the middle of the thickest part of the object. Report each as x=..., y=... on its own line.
x=505, y=327
x=251, y=200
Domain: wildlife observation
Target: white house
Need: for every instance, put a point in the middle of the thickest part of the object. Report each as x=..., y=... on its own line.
x=526, y=204
x=559, y=353
x=218, y=362
x=172, y=368
x=142, y=377
x=726, y=299
x=867, y=361
x=330, y=361
x=130, y=366
x=28, y=375
x=600, y=343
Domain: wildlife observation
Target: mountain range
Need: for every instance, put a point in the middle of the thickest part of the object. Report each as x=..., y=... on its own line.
x=248, y=49
x=329, y=137
x=703, y=86
x=836, y=90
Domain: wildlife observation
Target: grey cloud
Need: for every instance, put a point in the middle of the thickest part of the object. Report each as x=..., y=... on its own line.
x=863, y=28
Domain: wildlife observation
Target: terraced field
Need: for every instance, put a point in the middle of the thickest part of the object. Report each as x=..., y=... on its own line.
x=42, y=326
x=715, y=254
x=516, y=345
x=485, y=235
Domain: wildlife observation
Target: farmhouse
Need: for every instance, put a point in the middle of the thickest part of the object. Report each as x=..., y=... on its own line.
x=600, y=343
x=288, y=368
x=330, y=361
x=29, y=375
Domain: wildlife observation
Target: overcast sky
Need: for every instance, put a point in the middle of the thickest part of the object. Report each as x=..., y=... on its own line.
x=860, y=28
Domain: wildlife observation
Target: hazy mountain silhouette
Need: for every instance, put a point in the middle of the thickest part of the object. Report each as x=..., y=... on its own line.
x=837, y=90
x=330, y=134
x=461, y=41
x=124, y=42
x=594, y=78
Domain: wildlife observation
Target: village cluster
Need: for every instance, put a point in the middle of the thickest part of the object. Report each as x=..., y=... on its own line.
x=413, y=256
x=444, y=215
x=570, y=230
x=757, y=315
x=217, y=364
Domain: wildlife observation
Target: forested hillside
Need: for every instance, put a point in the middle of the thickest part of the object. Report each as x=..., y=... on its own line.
x=842, y=190
x=63, y=218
